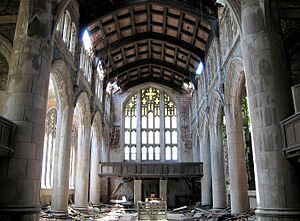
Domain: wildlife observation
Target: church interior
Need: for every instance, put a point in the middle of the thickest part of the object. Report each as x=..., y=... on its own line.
x=179, y=102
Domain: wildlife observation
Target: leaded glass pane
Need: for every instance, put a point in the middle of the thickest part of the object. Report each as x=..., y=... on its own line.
x=157, y=122
x=168, y=153
x=144, y=153
x=150, y=137
x=133, y=137
x=144, y=137
x=157, y=137
x=144, y=122
x=151, y=153
x=174, y=153
x=127, y=137
x=133, y=153
x=168, y=137
x=174, y=122
x=157, y=153
x=167, y=122
x=133, y=122
x=127, y=122
x=174, y=137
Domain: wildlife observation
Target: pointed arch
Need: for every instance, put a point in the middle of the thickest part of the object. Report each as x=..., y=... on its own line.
x=62, y=83
x=5, y=47
x=82, y=109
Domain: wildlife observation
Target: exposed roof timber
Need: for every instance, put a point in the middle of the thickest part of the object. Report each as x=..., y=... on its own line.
x=152, y=36
x=170, y=4
x=146, y=62
x=131, y=84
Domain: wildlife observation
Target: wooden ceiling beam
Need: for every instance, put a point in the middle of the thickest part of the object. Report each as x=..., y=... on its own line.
x=156, y=37
x=130, y=84
x=179, y=5
x=154, y=62
x=132, y=20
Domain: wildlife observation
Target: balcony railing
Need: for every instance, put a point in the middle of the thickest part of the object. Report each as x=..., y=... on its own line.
x=7, y=131
x=290, y=129
x=151, y=170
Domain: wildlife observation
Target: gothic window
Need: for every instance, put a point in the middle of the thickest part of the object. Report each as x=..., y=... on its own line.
x=60, y=24
x=73, y=154
x=86, y=65
x=99, y=82
x=155, y=110
x=170, y=129
x=67, y=27
x=130, y=129
x=150, y=114
x=49, y=144
x=73, y=39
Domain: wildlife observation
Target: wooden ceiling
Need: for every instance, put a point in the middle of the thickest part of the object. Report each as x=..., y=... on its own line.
x=149, y=40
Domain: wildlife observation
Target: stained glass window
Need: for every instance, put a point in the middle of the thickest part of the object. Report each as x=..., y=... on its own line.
x=130, y=129
x=152, y=102
x=170, y=129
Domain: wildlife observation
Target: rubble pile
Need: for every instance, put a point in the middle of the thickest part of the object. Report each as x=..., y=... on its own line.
x=119, y=212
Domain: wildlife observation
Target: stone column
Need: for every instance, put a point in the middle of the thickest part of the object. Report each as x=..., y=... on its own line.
x=237, y=164
x=60, y=188
x=206, y=191
x=25, y=105
x=163, y=189
x=137, y=191
x=95, y=184
x=162, y=128
x=82, y=169
x=217, y=167
x=196, y=150
x=277, y=180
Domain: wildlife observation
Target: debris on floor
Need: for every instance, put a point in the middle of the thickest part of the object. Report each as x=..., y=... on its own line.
x=118, y=212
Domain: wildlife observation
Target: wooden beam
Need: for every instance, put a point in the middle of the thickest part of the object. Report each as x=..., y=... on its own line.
x=179, y=25
x=198, y=53
x=176, y=4
x=154, y=62
x=116, y=21
x=169, y=84
x=132, y=21
x=148, y=18
x=165, y=20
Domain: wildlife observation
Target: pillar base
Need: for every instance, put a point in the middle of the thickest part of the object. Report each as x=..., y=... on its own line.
x=59, y=213
x=80, y=208
x=22, y=213
x=280, y=214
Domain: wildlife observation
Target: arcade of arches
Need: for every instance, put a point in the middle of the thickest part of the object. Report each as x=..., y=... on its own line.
x=195, y=101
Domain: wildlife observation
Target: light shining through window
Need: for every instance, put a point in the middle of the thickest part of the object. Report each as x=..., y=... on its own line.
x=87, y=40
x=200, y=68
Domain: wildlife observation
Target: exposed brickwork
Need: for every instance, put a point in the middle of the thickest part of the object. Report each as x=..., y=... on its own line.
x=184, y=102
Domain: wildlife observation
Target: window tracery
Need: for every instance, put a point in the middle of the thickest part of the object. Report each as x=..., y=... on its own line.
x=73, y=156
x=68, y=31
x=49, y=149
x=158, y=127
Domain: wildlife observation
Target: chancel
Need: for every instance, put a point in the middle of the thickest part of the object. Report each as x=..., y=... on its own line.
x=194, y=102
